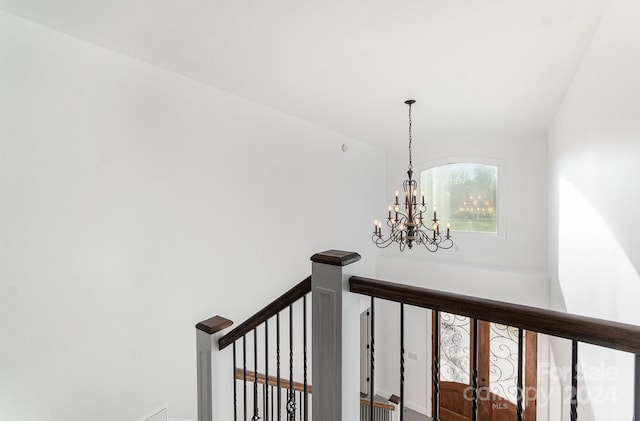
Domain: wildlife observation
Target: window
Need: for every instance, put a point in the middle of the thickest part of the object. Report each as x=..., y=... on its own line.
x=464, y=194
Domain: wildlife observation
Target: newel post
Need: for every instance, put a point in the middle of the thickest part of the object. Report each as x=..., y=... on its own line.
x=209, y=362
x=335, y=337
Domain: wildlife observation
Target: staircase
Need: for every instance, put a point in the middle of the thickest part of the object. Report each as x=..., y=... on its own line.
x=310, y=335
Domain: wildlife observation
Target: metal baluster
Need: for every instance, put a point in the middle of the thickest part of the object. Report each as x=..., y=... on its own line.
x=265, y=393
x=291, y=402
x=278, y=387
x=436, y=364
x=401, y=362
x=255, y=375
x=474, y=380
x=235, y=386
x=574, y=380
x=371, y=353
x=244, y=373
x=636, y=394
x=272, y=402
x=304, y=341
x=520, y=364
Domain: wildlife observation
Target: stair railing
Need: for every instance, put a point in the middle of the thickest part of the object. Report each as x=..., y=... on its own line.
x=335, y=333
x=577, y=329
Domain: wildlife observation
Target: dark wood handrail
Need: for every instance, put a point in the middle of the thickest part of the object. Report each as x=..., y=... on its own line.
x=272, y=381
x=376, y=404
x=279, y=304
x=614, y=335
x=299, y=387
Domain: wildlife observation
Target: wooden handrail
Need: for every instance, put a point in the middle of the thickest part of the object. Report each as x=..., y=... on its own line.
x=299, y=387
x=272, y=381
x=381, y=405
x=279, y=304
x=614, y=335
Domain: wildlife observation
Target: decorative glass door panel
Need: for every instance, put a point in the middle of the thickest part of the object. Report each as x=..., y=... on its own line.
x=503, y=361
x=497, y=370
x=455, y=350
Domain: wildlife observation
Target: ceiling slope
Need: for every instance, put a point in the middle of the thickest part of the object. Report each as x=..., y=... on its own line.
x=489, y=66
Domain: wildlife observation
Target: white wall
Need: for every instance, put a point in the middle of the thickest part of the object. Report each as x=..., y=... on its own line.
x=135, y=203
x=594, y=195
x=522, y=194
x=509, y=267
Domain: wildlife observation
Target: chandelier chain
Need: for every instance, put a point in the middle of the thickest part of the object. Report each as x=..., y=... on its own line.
x=410, y=139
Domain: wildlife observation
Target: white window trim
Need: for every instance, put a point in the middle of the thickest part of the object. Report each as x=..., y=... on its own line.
x=501, y=190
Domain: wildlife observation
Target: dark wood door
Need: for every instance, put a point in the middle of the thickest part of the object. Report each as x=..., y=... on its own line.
x=497, y=370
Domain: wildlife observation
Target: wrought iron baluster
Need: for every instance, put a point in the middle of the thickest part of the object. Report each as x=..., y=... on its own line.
x=255, y=375
x=235, y=386
x=574, y=380
x=636, y=391
x=291, y=402
x=401, y=362
x=436, y=364
x=272, y=402
x=278, y=387
x=520, y=364
x=372, y=354
x=474, y=380
x=265, y=393
x=304, y=341
x=244, y=373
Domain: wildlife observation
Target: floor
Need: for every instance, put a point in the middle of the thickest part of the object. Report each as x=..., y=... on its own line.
x=410, y=415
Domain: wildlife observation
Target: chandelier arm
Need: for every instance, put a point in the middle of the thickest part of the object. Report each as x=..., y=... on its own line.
x=431, y=247
x=380, y=242
x=446, y=244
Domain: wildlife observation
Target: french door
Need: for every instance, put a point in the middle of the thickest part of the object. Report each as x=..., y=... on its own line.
x=497, y=370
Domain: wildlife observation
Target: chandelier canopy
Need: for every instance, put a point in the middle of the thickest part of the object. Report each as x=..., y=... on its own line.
x=407, y=222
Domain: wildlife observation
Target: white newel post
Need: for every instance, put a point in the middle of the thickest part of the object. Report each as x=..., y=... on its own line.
x=335, y=337
x=210, y=361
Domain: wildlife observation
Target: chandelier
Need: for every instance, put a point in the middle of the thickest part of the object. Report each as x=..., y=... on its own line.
x=408, y=222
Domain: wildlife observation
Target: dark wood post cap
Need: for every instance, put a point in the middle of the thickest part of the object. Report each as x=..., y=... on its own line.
x=336, y=257
x=214, y=324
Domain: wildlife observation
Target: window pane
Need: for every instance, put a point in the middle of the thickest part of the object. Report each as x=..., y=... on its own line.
x=464, y=194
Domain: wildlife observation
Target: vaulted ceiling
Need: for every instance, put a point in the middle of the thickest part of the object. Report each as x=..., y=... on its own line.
x=348, y=65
